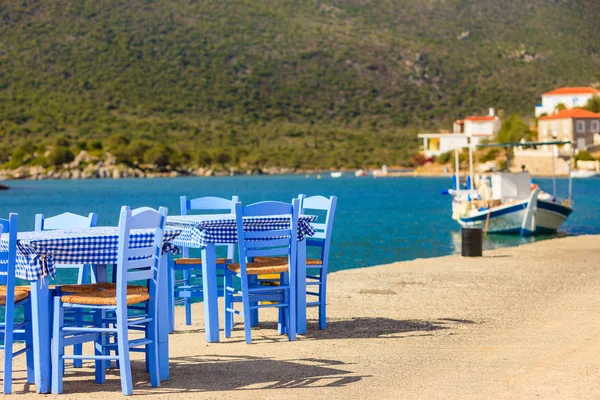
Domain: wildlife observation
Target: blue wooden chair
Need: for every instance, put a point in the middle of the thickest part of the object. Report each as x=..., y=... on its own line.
x=182, y=291
x=317, y=267
x=322, y=241
x=10, y=330
x=265, y=243
x=133, y=264
x=70, y=221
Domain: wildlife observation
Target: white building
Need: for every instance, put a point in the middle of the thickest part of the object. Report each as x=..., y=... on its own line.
x=570, y=97
x=473, y=128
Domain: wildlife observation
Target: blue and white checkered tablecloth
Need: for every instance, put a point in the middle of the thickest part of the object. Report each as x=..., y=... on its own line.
x=38, y=252
x=199, y=230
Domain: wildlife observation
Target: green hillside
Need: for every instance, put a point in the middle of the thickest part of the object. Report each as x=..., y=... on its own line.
x=275, y=82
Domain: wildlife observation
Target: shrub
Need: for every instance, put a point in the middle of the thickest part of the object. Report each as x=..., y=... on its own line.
x=158, y=155
x=584, y=156
x=444, y=158
x=60, y=155
x=203, y=158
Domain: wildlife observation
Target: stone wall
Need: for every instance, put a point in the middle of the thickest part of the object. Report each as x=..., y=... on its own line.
x=541, y=165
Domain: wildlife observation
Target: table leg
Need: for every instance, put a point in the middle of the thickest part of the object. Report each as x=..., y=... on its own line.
x=101, y=272
x=301, y=288
x=163, y=318
x=40, y=320
x=209, y=284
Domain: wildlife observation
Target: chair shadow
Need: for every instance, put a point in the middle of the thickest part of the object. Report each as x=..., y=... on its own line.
x=382, y=328
x=218, y=373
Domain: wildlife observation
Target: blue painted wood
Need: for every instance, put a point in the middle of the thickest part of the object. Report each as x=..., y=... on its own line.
x=161, y=331
x=209, y=285
x=40, y=323
x=322, y=241
x=7, y=330
x=251, y=293
x=201, y=205
x=133, y=264
x=71, y=221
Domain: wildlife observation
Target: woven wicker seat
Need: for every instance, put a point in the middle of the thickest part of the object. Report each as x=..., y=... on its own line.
x=272, y=260
x=99, y=287
x=19, y=295
x=103, y=298
x=27, y=288
x=196, y=261
x=255, y=268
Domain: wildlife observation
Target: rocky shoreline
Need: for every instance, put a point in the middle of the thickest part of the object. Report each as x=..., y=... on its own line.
x=85, y=166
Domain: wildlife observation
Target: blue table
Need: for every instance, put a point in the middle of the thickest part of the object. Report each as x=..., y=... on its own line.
x=207, y=231
x=38, y=252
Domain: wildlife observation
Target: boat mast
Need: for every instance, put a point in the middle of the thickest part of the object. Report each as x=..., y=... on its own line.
x=471, y=164
x=554, y=171
x=456, y=173
x=570, y=182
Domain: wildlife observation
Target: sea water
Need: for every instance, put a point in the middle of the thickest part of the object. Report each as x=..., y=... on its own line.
x=377, y=221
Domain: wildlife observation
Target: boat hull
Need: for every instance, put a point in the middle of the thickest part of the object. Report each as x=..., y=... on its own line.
x=509, y=219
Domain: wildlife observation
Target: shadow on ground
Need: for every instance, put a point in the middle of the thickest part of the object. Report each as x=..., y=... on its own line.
x=385, y=328
x=218, y=373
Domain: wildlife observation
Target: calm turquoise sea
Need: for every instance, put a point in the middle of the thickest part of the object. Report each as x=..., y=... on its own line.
x=378, y=220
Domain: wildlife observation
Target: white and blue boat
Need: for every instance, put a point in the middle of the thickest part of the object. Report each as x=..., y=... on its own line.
x=508, y=203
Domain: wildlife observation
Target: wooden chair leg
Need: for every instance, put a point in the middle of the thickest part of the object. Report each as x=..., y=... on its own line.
x=282, y=315
x=78, y=348
x=29, y=342
x=291, y=306
x=58, y=363
x=99, y=349
x=188, y=303
x=323, y=301
x=227, y=300
x=8, y=351
x=123, y=346
x=247, y=316
x=254, y=312
x=152, y=363
x=171, y=295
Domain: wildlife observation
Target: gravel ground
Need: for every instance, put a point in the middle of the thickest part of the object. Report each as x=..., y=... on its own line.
x=518, y=323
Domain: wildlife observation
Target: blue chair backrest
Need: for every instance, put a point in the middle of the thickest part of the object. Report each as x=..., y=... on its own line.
x=322, y=236
x=67, y=221
x=8, y=259
x=208, y=205
x=273, y=242
x=139, y=263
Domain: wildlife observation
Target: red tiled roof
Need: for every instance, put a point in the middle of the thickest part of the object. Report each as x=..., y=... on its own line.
x=572, y=113
x=572, y=90
x=477, y=118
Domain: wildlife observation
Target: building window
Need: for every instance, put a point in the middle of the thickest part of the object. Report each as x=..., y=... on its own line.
x=580, y=126
x=595, y=128
x=575, y=101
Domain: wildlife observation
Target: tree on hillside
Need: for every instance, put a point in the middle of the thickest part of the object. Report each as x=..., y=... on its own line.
x=593, y=104
x=513, y=130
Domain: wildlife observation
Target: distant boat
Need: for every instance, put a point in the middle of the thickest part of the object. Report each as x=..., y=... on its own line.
x=582, y=173
x=508, y=202
x=336, y=174
x=360, y=172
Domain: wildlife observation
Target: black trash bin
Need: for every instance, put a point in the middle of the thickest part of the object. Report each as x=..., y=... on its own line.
x=472, y=242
